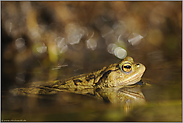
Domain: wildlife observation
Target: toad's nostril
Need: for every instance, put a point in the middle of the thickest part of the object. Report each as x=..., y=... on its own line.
x=138, y=65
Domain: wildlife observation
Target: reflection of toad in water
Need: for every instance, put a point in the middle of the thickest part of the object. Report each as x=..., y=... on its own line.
x=128, y=96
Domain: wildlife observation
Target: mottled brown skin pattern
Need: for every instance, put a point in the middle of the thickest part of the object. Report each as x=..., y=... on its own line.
x=115, y=75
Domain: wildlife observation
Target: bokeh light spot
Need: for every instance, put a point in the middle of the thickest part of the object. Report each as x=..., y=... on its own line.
x=120, y=53
x=91, y=44
x=20, y=44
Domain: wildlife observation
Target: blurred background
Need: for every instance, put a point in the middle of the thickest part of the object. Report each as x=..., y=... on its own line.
x=44, y=41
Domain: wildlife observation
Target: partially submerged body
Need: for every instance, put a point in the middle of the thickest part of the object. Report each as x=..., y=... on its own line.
x=114, y=76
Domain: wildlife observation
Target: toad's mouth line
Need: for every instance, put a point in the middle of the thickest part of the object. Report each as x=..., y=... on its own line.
x=132, y=80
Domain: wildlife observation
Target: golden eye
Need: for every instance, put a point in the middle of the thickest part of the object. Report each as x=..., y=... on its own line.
x=127, y=67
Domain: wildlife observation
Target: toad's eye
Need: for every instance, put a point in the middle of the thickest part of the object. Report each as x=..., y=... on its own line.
x=127, y=67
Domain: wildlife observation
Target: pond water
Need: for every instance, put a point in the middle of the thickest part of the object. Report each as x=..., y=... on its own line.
x=156, y=100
